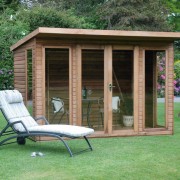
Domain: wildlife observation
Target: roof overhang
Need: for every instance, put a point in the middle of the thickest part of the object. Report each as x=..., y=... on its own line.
x=98, y=35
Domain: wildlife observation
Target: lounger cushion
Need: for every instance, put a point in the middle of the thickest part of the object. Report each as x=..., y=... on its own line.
x=12, y=110
x=15, y=111
x=28, y=121
x=68, y=130
x=13, y=96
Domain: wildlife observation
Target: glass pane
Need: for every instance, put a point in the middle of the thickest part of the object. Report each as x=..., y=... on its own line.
x=29, y=81
x=93, y=88
x=160, y=88
x=57, y=85
x=122, y=98
x=154, y=89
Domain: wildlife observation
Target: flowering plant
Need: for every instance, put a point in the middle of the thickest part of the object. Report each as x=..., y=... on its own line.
x=6, y=79
x=162, y=77
x=177, y=87
x=177, y=78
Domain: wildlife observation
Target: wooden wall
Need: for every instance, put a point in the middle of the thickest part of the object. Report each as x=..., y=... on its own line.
x=170, y=88
x=20, y=67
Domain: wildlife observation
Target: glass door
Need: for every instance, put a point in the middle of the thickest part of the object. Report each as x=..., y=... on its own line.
x=122, y=94
x=57, y=85
x=155, y=88
x=107, y=88
x=92, y=88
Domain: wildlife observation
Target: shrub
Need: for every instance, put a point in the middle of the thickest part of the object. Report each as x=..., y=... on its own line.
x=162, y=77
x=6, y=79
x=50, y=17
x=177, y=78
x=11, y=30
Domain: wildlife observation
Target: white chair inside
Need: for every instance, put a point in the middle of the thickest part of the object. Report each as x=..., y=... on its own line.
x=58, y=107
x=116, y=104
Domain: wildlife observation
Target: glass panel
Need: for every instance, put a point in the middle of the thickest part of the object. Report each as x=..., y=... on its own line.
x=160, y=89
x=57, y=85
x=154, y=89
x=29, y=81
x=93, y=88
x=123, y=89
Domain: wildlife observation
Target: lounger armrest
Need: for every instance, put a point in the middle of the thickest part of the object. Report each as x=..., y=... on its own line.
x=42, y=118
x=16, y=122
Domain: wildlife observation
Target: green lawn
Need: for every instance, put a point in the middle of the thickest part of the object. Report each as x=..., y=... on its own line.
x=141, y=158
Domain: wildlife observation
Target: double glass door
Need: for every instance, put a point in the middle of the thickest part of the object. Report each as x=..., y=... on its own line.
x=107, y=81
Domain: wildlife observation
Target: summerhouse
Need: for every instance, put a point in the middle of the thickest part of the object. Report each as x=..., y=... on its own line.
x=101, y=76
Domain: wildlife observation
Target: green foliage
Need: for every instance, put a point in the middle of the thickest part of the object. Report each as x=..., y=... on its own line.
x=6, y=79
x=174, y=13
x=10, y=31
x=177, y=69
x=12, y=4
x=87, y=9
x=134, y=15
x=49, y=17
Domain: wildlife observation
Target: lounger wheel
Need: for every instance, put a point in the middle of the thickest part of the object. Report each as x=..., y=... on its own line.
x=21, y=140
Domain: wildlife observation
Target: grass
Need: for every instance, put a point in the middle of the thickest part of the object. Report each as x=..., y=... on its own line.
x=136, y=158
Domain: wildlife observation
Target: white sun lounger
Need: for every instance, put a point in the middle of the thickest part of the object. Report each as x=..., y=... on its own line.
x=25, y=126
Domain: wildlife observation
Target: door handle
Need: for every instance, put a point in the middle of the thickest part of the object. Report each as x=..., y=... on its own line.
x=111, y=86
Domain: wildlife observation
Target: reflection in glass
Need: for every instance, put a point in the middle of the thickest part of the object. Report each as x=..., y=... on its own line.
x=123, y=89
x=29, y=81
x=57, y=84
x=93, y=80
x=154, y=89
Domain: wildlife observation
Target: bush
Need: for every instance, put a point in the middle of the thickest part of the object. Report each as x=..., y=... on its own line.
x=51, y=17
x=6, y=79
x=162, y=77
x=177, y=78
x=11, y=30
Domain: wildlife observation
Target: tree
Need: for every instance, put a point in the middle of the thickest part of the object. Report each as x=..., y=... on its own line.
x=174, y=19
x=11, y=31
x=174, y=13
x=134, y=15
x=38, y=16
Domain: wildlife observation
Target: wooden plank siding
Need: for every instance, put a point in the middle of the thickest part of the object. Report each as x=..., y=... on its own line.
x=141, y=91
x=20, y=68
x=39, y=79
x=170, y=89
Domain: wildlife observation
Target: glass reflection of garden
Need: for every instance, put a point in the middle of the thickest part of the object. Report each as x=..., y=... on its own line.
x=162, y=77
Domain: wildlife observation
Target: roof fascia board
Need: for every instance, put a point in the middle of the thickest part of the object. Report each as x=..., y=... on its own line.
x=91, y=32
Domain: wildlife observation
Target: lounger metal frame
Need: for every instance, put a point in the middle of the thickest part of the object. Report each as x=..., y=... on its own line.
x=29, y=134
